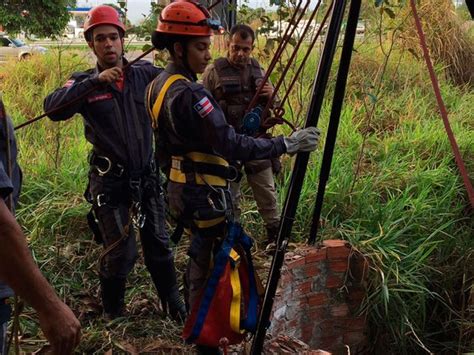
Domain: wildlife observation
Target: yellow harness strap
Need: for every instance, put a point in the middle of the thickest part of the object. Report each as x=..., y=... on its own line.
x=161, y=96
x=208, y=223
x=236, y=293
x=177, y=175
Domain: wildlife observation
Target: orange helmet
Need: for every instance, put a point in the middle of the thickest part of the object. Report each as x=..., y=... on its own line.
x=188, y=18
x=102, y=15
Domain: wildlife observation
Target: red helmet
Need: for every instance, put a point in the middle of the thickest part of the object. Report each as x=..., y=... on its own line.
x=188, y=18
x=102, y=15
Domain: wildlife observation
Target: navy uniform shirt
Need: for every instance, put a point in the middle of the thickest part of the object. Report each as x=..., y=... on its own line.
x=7, y=185
x=191, y=120
x=115, y=120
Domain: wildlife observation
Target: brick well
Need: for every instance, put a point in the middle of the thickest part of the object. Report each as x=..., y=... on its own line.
x=319, y=298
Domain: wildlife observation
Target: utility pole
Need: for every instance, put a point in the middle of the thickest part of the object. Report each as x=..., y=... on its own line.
x=123, y=7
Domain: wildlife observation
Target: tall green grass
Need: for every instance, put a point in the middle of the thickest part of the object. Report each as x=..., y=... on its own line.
x=406, y=208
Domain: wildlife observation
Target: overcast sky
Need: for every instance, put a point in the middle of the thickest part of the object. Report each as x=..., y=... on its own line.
x=138, y=7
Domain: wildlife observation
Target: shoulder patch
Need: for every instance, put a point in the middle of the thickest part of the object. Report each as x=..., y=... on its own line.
x=204, y=107
x=69, y=83
x=100, y=97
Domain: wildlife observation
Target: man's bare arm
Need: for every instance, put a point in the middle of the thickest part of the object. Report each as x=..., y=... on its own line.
x=19, y=271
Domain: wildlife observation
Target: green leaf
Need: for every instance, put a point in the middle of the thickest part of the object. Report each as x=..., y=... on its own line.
x=389, y=12
x=378, y=2
x=413, y=53
x=45, y=18
x=373, y=98
x=146, y=47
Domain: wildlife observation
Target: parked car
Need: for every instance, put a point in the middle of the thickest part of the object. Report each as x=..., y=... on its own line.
x=16, y=48
x=360, y=27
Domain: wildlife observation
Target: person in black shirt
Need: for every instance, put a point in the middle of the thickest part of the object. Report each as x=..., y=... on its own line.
x=124, y=187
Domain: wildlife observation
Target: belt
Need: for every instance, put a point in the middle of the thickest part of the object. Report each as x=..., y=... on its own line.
x=106, y=166
x=201, y=169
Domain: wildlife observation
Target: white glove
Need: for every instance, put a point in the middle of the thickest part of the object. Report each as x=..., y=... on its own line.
x=304, y=140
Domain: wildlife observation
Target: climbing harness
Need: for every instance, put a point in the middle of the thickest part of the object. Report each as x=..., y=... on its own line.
x=116, y=193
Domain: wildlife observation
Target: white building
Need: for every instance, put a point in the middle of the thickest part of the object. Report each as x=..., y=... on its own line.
x=75, y=26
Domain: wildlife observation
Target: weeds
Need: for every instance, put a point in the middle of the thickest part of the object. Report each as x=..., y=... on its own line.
x=406, y=209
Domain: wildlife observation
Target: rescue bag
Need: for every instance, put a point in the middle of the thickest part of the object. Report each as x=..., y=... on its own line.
x=228, y=306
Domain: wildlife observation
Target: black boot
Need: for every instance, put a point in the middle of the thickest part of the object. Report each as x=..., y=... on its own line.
x=113, y=296
x=173, y=305
x=272, y=235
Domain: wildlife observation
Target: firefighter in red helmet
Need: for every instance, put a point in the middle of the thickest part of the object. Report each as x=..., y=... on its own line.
x=123, y=187
x=195, y=143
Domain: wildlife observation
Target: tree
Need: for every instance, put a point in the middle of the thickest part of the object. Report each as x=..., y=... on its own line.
x=149, y=23
x=122, y=10
x=45, y=18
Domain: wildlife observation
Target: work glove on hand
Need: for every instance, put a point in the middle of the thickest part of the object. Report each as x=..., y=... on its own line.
x=304, y=140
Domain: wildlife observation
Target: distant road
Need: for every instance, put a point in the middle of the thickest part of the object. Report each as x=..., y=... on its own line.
x=80, y=42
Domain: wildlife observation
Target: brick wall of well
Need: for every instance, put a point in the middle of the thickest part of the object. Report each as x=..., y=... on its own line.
x=319, y=297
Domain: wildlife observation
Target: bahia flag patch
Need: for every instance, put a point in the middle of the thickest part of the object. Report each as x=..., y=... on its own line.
x=69, y=83
x=204, y=107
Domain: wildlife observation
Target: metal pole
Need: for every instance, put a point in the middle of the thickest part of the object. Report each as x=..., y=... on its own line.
x=296, y=183
x=335, y=116
x=232, y=14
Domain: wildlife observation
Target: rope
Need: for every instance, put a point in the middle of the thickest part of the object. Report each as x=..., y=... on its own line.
x=80, y=97
x=290, y=29
x=290, y=60
x=280, y=110
x=442, y=107
x=124, y=230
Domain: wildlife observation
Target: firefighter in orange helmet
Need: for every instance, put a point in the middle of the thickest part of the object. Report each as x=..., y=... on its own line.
x=194, y=142
x=124, y=187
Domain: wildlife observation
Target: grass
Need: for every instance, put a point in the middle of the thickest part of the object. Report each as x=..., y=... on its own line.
x=405, y=208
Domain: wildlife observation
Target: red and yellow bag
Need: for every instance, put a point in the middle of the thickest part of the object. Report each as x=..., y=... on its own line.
x=228, y=307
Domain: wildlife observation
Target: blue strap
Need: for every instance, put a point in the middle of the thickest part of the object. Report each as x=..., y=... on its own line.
x=220, y=262
x=235, y=235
